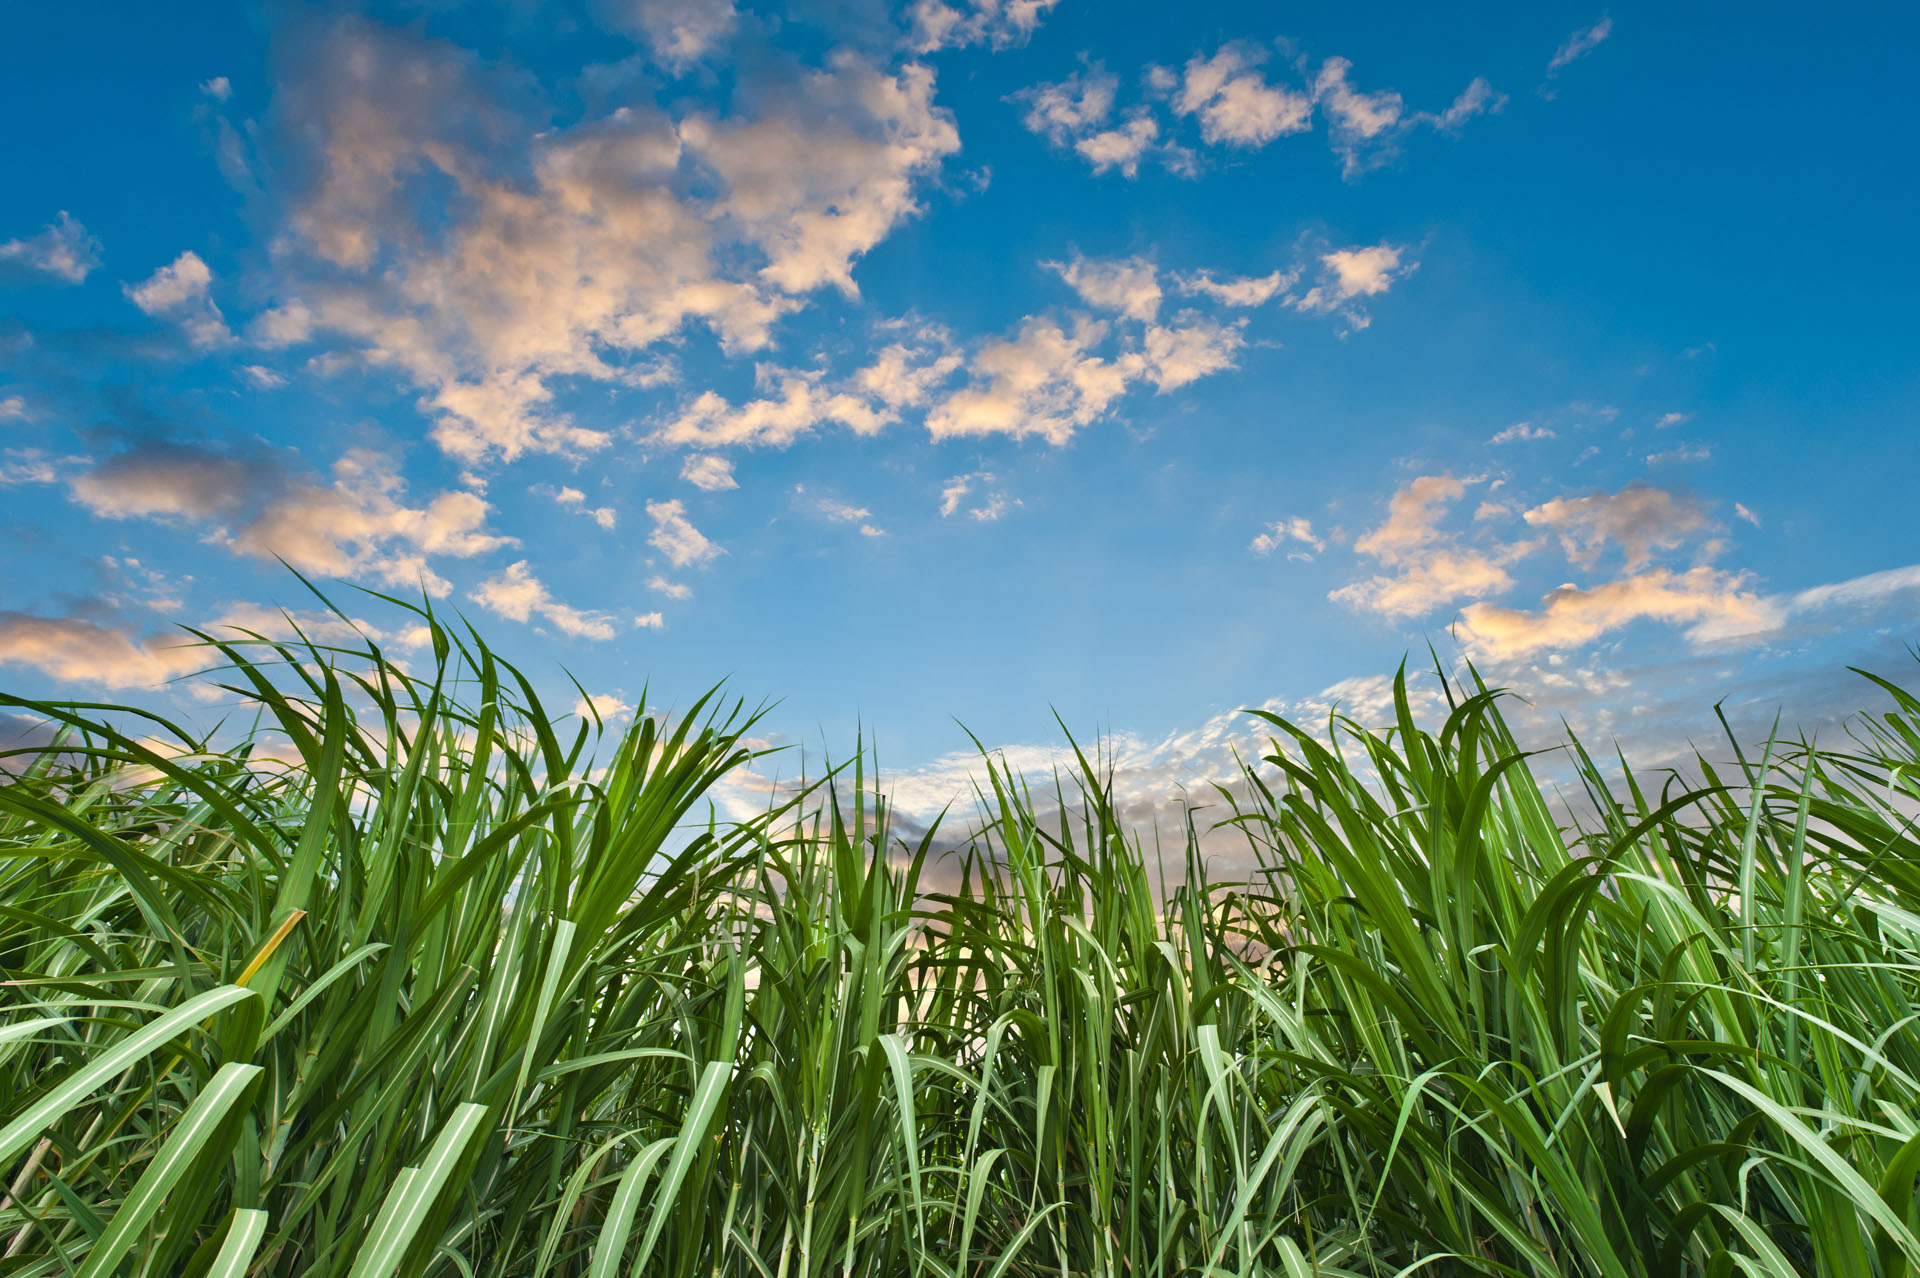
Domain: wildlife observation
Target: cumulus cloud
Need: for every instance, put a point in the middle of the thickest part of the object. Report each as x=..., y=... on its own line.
x=1121, y=147
x=1351, y=274
x=680, y=32
x=709, y=472
x=517, y=594
x=181, y=291
x=796, y=402
x=1071, y=108
x=1074, y=113
x=997, y=23
x=361, y=525
x=796, y=405
x=819, y=183
x=1580, y=44
x=75, y=650
x=260, y=504
x=1050, y=379
x=671, y=589
x=1640, y=519
x=572, y=251
x=1192, y=347
x=1431, y=566
x=602, y=706
x=1355, y=120
x=575, y=500
x=158, y=479
x=1129, y=285
x=1235, y=104
x=1046, y=380
x=1281, y=532
x=63, y=250
x=905, y=375
x=675, y=536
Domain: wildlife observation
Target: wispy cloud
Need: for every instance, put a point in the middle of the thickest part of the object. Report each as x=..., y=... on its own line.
x=675, y=536
x=1580, y=44
x=63, y=250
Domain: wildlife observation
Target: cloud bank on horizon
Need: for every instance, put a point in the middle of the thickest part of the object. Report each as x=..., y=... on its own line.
x=961, y=358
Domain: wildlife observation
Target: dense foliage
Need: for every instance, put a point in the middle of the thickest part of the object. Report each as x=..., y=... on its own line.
x=439, y=991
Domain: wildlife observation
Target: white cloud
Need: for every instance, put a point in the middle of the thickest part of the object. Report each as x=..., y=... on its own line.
x=675, y=536
x=1044, y=381
x=649, y=621
x=1672, y=419
x=74, y=650
x=262, y=377
x=359, y=525
x=817, y=185
x=64, y=250
x=1195, y=346
x=904, y=376
x=1070, y=108
x=219, y=88
x=1348, y=275
x=1236, y=106
x=1282, y=531
x=998, y=23
x=1682, y=454
x=1717, y=606
x=1243, y=291
x=28, y=466
x=1122, y=147
x=1580, y=44
x=681, y=32
x=797, y=406
x=1859, y=590
x=602, y=706
x=573, y=499
x=1746, y=514
x=1355, y=120
x=1478, y=98
x=992, y=502
x=709, y=471
x=1640, y=519
x=1432, y=567
x=1521, y=431
x=671, y=589
x=572, y=251
x=1129, y=285
x=841, y=512
x=517, y=594
x=181, y=291
x=13, y=408
x=1074, y=112
x=1049, y=380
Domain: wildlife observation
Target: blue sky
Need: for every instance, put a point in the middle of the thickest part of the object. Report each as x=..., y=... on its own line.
x=975, y=361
